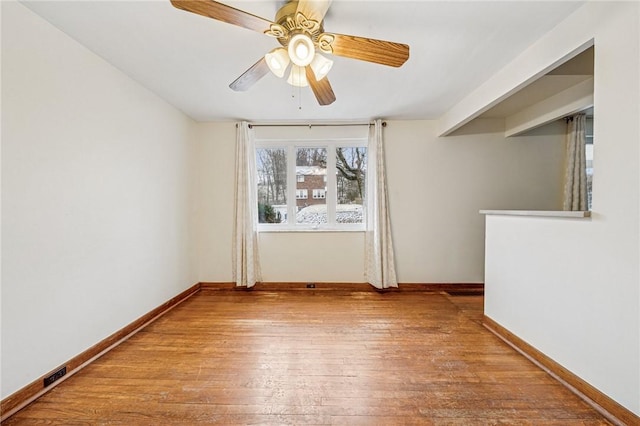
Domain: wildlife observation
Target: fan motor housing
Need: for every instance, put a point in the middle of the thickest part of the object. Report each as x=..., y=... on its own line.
x=289, y=9
x=286, y=18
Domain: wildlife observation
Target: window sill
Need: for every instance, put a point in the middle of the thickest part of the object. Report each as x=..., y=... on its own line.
x=282, y=229
x=539, y=213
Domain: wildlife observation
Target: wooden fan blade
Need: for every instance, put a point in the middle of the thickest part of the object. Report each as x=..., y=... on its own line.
x=321, y=89
x=314, y=9
x=370, y=50
x=224, y=13
x=250, y=76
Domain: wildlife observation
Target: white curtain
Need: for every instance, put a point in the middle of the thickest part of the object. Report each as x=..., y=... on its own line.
x=575, y=180
x=380, y=269
x=246, y=259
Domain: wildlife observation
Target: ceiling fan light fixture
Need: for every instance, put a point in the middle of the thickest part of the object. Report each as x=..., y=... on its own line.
x=298, y=77
x=298, y=27
x=301, y=50
x=321, y=66
x=277, y=61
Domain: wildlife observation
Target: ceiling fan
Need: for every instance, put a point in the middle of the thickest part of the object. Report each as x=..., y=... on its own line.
x=299, y=29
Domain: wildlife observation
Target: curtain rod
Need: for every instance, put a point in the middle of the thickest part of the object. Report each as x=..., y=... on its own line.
x=310, y=125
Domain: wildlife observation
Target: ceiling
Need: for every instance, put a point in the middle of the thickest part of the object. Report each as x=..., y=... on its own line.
x=572, y=72
x=189, y=60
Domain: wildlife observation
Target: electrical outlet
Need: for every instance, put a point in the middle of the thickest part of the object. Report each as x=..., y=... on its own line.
x=55, y=376
x=311, y=285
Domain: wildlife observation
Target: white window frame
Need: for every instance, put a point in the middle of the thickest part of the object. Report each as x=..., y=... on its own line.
x=304, y=194
x=331, y=195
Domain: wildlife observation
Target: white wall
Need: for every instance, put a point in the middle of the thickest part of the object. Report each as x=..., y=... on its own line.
x=436, y=187
x=95, y=199
x=571, y=288
x=215, y=153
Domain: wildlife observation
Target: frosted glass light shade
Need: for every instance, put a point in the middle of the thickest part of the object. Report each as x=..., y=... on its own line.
x=321, y=66
x=301, y=50
x=277, y=61
x=298, y=77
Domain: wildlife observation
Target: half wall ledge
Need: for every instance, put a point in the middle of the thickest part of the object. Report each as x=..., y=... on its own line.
x=540, y=213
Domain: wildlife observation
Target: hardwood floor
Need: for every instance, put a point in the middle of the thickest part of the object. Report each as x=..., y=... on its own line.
x=313, y=357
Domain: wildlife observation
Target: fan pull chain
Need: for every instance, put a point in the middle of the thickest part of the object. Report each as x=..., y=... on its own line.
x=300, y=89
x=293, y=90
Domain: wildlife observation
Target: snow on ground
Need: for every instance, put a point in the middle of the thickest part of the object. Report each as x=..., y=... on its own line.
x=345, y=213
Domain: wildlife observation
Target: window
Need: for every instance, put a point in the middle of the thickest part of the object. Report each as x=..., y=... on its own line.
x=271, y=168
x=351, y=164
x=589, y=154
x=333, y=173
x=319, y=193
x=312, y=162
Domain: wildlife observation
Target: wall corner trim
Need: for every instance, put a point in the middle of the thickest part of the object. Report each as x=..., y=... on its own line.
x=613, y=411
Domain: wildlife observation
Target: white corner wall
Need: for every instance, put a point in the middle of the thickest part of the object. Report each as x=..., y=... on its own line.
x=96, y=204
x=436, y=187
x=571, y=288
x=215, y=179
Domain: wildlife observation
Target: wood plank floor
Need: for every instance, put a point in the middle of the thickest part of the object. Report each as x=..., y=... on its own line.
x=313, y=357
